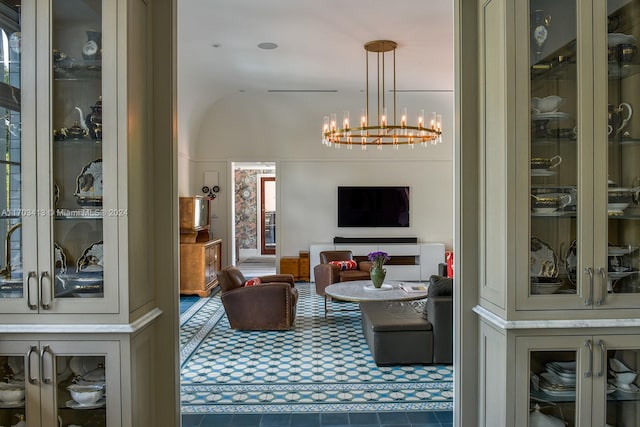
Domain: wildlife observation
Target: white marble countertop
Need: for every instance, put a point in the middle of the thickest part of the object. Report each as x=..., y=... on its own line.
x=363, y=290
x=99, y=328
x=553, y=324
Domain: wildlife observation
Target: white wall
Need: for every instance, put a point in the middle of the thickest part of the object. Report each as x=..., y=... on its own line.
x=286, y=129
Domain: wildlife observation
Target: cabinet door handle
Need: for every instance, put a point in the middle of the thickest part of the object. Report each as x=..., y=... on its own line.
x=603, y=286
x=603, y=357
x=45, y=379
x=589, y=372
x=33, y=349
x=43, y=276
x=31, y=275
x=589, y=299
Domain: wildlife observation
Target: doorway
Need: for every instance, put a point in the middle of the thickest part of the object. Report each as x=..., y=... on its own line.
x=254, y=209
x=268, y=215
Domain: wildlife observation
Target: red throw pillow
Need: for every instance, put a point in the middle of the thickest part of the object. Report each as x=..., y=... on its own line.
x=254, y=281
x=345, y=265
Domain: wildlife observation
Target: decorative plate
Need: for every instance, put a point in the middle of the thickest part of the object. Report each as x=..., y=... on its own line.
x=89, y=184
x=621, y=250
x=542, y=261
x=549, y=116
x=80, y=365
x=571, y=263
x=60, y=259
x=92, y=259
x=56, y=195
x=75, y=405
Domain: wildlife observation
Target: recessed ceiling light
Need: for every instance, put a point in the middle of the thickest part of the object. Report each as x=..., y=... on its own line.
x=216, y=45
x=267, y=45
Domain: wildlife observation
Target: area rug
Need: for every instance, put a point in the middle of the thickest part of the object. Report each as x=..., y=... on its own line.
x=321, y=365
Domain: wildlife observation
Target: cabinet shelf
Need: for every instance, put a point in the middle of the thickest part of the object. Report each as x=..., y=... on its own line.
x=73, y=70
x=87, y=141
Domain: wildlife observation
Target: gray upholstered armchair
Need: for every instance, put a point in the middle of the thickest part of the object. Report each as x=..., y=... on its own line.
x=271, y=305
x=327, y=274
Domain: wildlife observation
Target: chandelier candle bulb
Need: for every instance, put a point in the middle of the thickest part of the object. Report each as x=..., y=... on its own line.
x=387, y=130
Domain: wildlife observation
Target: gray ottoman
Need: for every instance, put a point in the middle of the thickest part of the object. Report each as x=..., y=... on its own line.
x=396, y=333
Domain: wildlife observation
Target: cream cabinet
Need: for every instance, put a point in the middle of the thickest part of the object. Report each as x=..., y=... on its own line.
x=560, y=170
x=75, y=208
x=560, y=221
x=49, y=370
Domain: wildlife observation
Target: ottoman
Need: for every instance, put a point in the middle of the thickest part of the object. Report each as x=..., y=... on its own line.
x=396, y=333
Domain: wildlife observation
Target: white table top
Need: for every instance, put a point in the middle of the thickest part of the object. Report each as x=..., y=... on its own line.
x=362, y=290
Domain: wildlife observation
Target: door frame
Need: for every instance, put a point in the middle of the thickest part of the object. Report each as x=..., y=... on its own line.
x=262, y=178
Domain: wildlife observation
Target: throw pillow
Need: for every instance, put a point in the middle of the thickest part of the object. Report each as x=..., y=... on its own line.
x=345, y=265
x=252, y=282
x=440, y=286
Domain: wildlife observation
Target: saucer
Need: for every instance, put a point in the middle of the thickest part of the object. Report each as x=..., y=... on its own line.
x=75, y=405
x=384, y=287
x=631, y=388
x=542, y=172
x=18, y=404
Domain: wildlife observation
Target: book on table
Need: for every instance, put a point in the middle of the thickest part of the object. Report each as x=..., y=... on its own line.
x=413, y=287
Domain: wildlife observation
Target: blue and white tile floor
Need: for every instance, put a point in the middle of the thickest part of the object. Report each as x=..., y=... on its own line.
x=353, y=419
x=318, y=373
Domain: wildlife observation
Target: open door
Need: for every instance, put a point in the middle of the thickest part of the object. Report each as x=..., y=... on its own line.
x=268, y=215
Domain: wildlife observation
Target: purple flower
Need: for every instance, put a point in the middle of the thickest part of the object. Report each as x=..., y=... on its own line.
x=378, y=258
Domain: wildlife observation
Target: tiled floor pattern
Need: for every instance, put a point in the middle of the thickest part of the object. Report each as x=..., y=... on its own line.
x=322, y=365
x=353, y=419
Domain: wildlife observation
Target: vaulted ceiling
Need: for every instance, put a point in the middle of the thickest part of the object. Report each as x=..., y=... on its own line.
x=319, y=47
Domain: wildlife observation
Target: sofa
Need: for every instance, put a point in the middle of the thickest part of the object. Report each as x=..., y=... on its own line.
x=400, y=333
x=327, y=274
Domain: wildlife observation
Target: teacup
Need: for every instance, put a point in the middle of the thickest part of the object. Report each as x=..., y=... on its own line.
x=549, y=204
x=542, y=163
x=548, y=104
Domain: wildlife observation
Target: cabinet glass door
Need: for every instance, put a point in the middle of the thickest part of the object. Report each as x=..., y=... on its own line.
x=20, y=384
x=77, y=141
x=17, y=143
x=618, y=389
x=554, y=162
x=81, y=390
x=623, y=153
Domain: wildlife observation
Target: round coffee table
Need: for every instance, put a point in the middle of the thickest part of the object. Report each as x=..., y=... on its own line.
x=363, y=290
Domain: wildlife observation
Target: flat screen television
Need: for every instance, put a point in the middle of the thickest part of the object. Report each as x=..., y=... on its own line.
x=373, y=206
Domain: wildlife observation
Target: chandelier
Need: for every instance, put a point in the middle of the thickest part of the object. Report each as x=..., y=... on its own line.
x=387, y=130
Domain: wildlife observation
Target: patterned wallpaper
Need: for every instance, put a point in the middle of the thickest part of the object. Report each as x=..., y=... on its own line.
x=246, y=196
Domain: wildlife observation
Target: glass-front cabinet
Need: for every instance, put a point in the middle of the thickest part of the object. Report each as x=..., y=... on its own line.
x=59, y=216
x=584, y=155
x=61, y=383
x=579, y=380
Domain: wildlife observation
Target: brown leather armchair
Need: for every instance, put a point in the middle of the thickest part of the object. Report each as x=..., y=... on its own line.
x=327, y=274
x=271, y=305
